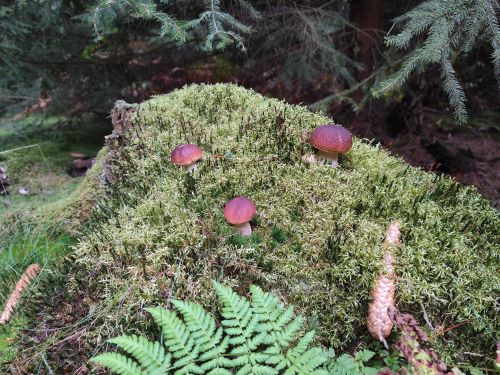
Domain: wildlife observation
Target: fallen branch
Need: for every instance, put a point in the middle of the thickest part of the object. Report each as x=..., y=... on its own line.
x=422, y=360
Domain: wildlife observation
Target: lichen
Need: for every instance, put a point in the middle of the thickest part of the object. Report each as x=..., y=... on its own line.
x=318, y=232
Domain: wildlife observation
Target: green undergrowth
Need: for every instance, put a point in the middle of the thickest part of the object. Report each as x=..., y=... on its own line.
x=318, y=231
x=41, y=227
x=8, y=339
x=26, y=245
x=260, y=336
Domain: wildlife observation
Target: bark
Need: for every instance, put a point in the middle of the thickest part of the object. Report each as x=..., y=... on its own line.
x=368, y=16
x=121, y=117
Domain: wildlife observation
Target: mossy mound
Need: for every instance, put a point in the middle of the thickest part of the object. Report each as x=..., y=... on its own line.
x=318, y=231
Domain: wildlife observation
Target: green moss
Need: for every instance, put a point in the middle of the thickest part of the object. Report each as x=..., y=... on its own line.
x=318, y=231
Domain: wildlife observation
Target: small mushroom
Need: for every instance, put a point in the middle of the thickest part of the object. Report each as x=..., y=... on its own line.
x=186, y=155
x=238, y=212
x=330, y=140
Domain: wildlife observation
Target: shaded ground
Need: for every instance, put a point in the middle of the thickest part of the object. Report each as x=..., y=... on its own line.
x=471, y=154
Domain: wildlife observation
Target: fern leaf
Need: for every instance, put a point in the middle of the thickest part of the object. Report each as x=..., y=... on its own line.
x=210, y=340
x=118, y=363
x=178, y=340
x=278, y=321
x=255, y=338
x=302, y=360
x=150, y=355
x=219, y=371
x=241, y=324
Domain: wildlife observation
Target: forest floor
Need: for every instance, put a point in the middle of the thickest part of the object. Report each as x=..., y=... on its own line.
x=36, y=154
x=470, y=154
x=426, y=138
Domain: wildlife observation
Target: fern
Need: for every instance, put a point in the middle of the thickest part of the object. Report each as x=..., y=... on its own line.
x=150, y=355
x=352, y=365
x=282, y=326
x=255, y=337
x=453, y=28
x=119, y=363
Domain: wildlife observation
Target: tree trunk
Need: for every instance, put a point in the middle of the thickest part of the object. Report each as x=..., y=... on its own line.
x=368, y=17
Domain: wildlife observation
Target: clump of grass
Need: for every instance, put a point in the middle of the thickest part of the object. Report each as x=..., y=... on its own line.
x=39, y=228
x=20, y=247
x=160, y=232
x=8, y=339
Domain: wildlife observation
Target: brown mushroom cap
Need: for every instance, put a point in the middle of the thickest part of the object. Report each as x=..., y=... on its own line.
x=239, y=210
x=331, y=138
x=185, y=154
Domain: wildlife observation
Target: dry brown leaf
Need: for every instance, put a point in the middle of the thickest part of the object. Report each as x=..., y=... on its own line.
x=22, y=284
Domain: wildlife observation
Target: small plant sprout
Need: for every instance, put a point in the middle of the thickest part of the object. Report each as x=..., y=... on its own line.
x=186, y=155
x=331, y=140
x=238, y=212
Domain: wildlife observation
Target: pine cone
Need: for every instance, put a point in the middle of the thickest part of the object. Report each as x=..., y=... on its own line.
x=383, y=294
x=22, y=284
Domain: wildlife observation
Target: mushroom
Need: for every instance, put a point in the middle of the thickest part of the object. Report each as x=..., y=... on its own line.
x=186, y=155
x=238, y=212
x=330, y=140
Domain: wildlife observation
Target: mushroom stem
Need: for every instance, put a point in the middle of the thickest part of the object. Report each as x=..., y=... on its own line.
x=244, y=229
x=191, y=167
x=331, y=158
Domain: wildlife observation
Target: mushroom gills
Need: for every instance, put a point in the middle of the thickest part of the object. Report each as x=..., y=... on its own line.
x=331, y=158
x=244, y=229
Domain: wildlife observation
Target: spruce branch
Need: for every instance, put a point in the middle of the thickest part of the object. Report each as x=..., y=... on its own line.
x=436, y=30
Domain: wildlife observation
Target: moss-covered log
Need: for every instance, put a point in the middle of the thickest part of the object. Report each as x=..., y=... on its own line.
x=318, y=232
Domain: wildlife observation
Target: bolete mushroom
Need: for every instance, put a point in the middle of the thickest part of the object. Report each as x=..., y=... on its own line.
x=238, y=212
x=331, y=140
x=186, y=155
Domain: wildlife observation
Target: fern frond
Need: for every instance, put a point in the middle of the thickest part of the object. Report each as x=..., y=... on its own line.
x=210, y=341
x=255, y=338
x=150, y=355
x=178, y=340
x=278, y=321
x=241, y=324
x=118, y=363
x=302, y=360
